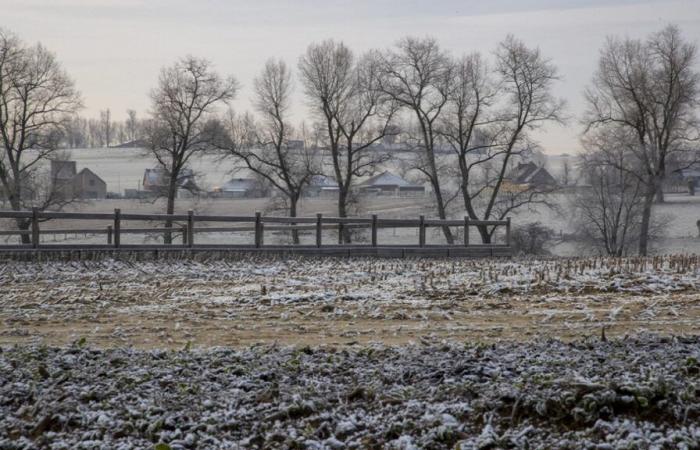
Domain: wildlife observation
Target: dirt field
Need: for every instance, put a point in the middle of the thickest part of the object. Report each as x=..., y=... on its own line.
x=335, y=301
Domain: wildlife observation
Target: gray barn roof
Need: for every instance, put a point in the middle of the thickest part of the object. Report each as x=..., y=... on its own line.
x=387, y=178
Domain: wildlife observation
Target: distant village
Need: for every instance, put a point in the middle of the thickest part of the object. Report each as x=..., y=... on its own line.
x=71, y=181
x=86, y=184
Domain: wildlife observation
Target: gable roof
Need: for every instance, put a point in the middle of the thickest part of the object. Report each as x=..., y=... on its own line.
x=387, y=178
x=240, y=185
x=322, y=181
x=87, y=171
x=529, y=172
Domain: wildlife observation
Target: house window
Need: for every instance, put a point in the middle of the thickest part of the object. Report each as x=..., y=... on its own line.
x=91, y=182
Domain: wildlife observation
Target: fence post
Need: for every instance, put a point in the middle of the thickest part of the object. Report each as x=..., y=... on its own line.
x=117, y=227
x=109, y=235
x=184, y=234
x=35, y=227
x=190, y=228
x=508, y=231
x=421, y=231
x=319, y=229
x=258, y=230
x=340, y=234
x=374, y=230
x=466, y=231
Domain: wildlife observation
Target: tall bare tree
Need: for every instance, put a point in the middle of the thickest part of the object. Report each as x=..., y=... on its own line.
x=487, y=121
x=468, y=126
x=183, y=122
x=36, y=96
x=607, y=215
x=264, y=147
x=417, y=75
x=345, y=95
x=107, y=127
x=651, y=88
x=131, y=125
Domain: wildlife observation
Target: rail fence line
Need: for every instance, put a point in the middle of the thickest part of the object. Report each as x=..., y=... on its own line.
x=185, y=224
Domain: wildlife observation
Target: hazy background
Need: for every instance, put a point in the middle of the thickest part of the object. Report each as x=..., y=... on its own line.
x=115, y=48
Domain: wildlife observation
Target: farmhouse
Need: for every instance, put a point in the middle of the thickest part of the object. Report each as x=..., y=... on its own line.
x=155, y=181
x=87, y=185
x=529, y=176
x=387, y=183
x=240, y=188
x=68, y=184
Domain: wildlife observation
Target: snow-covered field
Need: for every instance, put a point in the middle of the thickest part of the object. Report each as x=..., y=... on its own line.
x=324, y=353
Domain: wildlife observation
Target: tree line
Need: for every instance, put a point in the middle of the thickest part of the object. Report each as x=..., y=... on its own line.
x=468, y=117
x=81, y=132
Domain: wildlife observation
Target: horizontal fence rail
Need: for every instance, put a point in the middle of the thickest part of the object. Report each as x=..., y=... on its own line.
x=185, y=226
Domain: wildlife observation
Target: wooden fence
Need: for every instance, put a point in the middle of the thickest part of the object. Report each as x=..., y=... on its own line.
x=188, y=225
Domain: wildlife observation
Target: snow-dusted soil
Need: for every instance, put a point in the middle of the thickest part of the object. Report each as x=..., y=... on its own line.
x=324, y=353
x=633, y=393
x=310, y=301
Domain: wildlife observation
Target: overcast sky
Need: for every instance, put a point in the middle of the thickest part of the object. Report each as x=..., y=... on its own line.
x=115, y=48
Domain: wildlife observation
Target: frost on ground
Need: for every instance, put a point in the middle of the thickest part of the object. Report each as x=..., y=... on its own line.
x=631, y=393
x=395, y=354
x=317, y=301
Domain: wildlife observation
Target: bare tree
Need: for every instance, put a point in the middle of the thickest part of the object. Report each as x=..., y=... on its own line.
x=106, y=127
x=467, y=125
x=566, y=173
x=345, y=94
x=264, y=147
x=651, y=88
x=131, y=125
x=183, y=119
x=417, y=75
x=607, y=214
x=76, y=132
x=94, y=133
x=487, y=121
x=36, y=96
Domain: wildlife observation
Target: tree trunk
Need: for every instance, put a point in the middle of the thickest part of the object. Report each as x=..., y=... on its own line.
x=660, y=196
x=435, y=181
x=442, y=213
x=170, y=209
x=344, y=237
x=23, y=225
x=293, y=213
x=468, y=207
x=646, y=221
x=484, y=234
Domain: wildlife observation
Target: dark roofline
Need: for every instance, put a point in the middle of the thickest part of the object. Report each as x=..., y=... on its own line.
x=85, y=169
